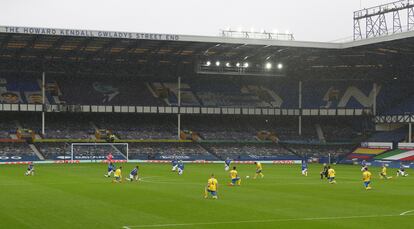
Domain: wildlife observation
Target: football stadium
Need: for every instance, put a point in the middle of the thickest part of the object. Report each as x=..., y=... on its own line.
x=109, y=129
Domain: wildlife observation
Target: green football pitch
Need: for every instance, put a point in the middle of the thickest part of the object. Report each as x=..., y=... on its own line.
x=79, y=196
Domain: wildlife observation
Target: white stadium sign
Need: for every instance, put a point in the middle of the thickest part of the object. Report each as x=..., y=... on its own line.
x=160, y=37
x=89, y=33
x=12, y=158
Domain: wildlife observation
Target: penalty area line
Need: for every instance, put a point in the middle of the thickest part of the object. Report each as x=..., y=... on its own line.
x=405, y=213
x=261, y=221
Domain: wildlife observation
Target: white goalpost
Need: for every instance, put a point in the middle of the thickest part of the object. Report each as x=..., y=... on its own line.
x=96, y=152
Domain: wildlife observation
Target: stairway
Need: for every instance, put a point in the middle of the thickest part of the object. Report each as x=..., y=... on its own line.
x=37, y=152
x=320, y=134
x=211, y=151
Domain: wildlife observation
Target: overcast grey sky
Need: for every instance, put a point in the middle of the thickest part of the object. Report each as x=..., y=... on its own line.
x=313, y=20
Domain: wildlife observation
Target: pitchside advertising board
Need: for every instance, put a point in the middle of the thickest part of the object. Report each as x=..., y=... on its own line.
x=88, y=158
x=89, y=33
x=17, y=158
x=158, y=159
x=238, y=158
x=377, y=145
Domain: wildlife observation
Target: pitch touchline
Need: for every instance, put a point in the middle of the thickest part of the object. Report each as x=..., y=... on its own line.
x=263, y=221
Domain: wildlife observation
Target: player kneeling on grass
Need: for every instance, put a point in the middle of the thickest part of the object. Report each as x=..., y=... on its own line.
x=235, y=179
x=133, y=175
x=118, y=175
x=383, y=173
x=111, y=169
x=401, y=172
x=304, y=168
x=180, y=168
x=212, y=187
x=30, y=169
x=258, y=170
x=331, y=175
x=324, y=172
x=366, y=177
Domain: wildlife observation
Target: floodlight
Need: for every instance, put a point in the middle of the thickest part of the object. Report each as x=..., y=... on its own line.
x=279, y=66
x=246, y=65
x=217, y=63
x=268, y=66
x=208, y=63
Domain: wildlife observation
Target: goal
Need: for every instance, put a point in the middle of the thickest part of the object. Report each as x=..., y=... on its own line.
x=97, y=152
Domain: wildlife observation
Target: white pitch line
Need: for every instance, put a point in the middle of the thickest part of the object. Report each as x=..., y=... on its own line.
x=405, y=213
x=260, y=221
x=65, y=183
x=169, y=181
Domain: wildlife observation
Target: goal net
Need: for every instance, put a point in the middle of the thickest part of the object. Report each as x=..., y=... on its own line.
x=97, y=152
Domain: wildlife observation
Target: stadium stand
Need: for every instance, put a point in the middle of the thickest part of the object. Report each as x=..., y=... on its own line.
x=405, y=106
x=252, y=152
x=344, y=130
x=54, y=151
x=336, y=94
x=227, y=93
x=16, y=151
x=168, y=151
x=208, y=92
x=60, y=126
x=321, y=152
x=107, y=92
x=6, y=127
x=21, y=89
x=220, y=128
x=236, y=129
x=168, y=92
x=396, y=135
x=141, y=127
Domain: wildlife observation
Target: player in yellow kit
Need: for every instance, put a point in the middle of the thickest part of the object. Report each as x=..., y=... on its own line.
x=331, y=175
x=235, y=179
x=383, y=173
x=212, y=187
x=118, y=175
x=258, y=170
x=366, y=177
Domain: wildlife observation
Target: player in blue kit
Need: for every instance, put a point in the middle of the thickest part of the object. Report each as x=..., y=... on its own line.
x=133, y=175
x=304, y=168
x=401, y=171
x=227, y=163
x=180, y=168
x=30, y=169
x=111, y=169
x=363, y=165
x=174, y=164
